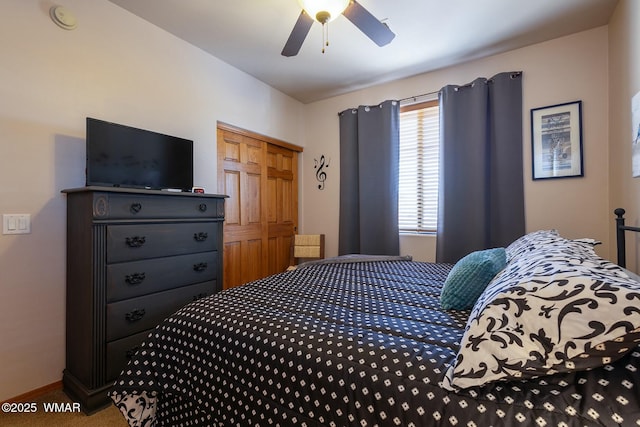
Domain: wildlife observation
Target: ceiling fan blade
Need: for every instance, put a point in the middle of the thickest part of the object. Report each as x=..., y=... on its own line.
x=368, y=24
x=298, y=34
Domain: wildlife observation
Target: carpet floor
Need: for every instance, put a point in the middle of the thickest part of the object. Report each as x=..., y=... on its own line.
x=109, y=417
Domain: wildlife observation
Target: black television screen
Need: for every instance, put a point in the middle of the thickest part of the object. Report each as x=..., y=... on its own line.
x=124, y=156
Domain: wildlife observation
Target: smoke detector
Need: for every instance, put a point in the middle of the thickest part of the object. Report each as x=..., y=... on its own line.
x=63, y=17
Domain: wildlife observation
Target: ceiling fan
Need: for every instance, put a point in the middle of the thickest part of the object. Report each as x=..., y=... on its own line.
x=325, y=11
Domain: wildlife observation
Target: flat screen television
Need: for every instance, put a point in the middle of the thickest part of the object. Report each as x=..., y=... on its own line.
x=124, y=156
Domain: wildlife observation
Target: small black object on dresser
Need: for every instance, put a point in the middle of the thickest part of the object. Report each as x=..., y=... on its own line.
x=134, y=257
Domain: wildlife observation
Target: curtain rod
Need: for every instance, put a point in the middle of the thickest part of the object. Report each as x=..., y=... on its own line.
x=415, y=97
x=513, y=74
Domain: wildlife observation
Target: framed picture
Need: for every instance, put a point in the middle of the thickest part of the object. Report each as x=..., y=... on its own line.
x=635, y=135
x=556, y=141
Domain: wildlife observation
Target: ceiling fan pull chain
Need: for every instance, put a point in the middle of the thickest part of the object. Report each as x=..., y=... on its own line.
x=327, y=43
x=325, y=36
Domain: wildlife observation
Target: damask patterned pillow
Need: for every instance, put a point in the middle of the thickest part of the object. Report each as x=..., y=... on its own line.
x=470, y=276
x=531, y=241
x=558, y=308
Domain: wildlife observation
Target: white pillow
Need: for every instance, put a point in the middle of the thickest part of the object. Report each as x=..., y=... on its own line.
x=556, y=308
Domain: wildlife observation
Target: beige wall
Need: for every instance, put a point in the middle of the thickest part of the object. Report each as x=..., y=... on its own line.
x=113, y=66
x=563, y=70
x=624, y=82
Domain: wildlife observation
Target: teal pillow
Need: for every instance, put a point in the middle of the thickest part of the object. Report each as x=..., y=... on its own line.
x=470, y=276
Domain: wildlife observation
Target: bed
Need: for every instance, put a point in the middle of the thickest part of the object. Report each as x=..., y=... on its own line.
x=541, y=333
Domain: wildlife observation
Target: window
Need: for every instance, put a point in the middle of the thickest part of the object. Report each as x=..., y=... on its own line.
x=419, y=162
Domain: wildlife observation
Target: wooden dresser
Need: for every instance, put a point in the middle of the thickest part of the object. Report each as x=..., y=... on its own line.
x=133, y=258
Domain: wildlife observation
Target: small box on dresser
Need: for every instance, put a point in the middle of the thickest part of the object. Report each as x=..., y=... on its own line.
x=133, y=258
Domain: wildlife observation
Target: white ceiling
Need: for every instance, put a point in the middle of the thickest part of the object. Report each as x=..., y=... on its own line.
x=430, y=34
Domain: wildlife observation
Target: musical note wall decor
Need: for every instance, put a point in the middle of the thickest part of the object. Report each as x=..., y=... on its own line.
x=320, y=166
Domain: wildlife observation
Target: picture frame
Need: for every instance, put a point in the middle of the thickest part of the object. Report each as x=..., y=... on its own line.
x=635, y=135
x=556, y=141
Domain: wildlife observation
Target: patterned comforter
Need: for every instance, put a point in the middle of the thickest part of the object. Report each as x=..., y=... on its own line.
x=346, y=344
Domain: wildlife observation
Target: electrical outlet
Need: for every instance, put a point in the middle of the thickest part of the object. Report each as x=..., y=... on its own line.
x=16, y=224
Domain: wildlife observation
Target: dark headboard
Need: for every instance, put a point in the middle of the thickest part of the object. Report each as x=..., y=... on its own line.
x=620, y=239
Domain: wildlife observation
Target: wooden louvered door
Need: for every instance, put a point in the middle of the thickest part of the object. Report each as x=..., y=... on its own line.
x=259, y=174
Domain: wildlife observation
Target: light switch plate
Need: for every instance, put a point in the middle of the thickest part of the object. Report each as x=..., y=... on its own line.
x=16, y=224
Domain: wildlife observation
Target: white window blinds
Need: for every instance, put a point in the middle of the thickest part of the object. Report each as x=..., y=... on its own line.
x=419, y=162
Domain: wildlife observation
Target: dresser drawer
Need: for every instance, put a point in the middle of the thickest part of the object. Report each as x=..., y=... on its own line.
x=133, y=242
x=141, y=206
x=120, y=351
x=135, y=315
x=135, y=278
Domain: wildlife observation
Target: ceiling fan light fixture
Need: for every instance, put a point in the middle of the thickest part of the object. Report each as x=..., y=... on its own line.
x=324, y=11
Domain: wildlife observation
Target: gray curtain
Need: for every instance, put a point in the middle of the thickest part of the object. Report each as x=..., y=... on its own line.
x=369, y=159
x=481, y=199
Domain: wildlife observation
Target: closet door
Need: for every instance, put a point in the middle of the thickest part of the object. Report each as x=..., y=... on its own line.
x=282, y=202
x=259, y=174
x=242, y=177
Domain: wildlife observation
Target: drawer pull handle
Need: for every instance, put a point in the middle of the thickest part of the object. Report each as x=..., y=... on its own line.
x=200, y=267
x=135, y=208
x=199, y=296
x=200, y=237
x=135, y=278
x=135, y=315
x=202, y=207
x=132, y=351
x=135, y=241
